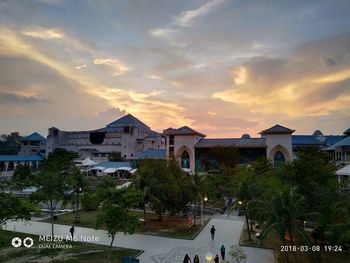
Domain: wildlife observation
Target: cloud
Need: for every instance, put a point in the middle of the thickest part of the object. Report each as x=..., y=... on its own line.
x=44, y=33
x=157, y=77
x=81, y=66
x=9, y=98
x=112, y=112
x=186, y=18
x=118, y=67
x=300, y=85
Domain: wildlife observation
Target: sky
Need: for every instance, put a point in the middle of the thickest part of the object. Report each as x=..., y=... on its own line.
x=222, y=67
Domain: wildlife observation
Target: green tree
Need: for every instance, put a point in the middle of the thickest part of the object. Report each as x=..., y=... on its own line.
x=115, y=157
x=22, y=177
x=55, y=181
x=115, y=215
x=13, y=208
x=10, y=143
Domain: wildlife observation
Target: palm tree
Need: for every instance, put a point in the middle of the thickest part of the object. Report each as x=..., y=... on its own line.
x=197, y=182
x=281, y=212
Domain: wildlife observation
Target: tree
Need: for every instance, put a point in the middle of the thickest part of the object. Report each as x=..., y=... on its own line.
x=237, y=253
x=22, y=177
x=10, y=144
x=55, y=181
x=243, y=189
x=13, y=208
x=197, y=183
x=116, y=216
x=225, y=156
x=115, y=157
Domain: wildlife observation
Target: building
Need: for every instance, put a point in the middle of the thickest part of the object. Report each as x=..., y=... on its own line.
x=316, y=139
x=127, y=135
x=340, y=151
x=33, y=145
x=189, y=147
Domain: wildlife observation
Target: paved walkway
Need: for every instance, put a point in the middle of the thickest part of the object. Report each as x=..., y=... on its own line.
x=160, y=249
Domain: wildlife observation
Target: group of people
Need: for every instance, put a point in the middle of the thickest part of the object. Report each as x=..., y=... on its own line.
x=187, y=258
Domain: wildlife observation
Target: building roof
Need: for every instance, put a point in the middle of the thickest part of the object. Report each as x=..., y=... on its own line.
x=105, y=165
x=153, y=134
x=128, y=120
x=185, y=130
x=343, y=142
x=155, y=154
x=305, y=139
x=332, y=139
x=347, y=132
x=277, y=129
x=344, y=171
x=20, y=158
x=34, y=137
x=232, y=142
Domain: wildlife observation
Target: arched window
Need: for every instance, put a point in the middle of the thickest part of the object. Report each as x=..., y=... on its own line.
x=278, y=158
x=185, y=160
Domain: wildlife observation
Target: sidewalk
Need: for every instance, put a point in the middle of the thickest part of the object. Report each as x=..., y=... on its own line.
x=161, y=249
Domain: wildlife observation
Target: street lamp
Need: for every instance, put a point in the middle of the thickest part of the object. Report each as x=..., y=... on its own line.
x=205, y=199
x=78, y=190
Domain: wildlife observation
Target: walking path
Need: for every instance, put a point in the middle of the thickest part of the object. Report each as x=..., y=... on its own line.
x=161, y=249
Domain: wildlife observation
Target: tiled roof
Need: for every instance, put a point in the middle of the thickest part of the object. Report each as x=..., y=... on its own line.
x=128, y=120
x=34, y=137
x=231, y=142
x=343, y=142
x=185, y=130
x=20, y=158
x=277, y=129
x=156, y=154
x=305, y=139
x=332, y=139
x=347, y=132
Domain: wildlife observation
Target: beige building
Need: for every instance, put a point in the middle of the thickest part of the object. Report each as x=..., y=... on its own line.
x=127, y=135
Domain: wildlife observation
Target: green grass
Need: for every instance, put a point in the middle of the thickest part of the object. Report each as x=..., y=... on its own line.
x=79, y=252
x=171, y=226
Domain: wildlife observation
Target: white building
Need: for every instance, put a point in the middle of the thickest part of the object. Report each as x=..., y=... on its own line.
x=127, y=135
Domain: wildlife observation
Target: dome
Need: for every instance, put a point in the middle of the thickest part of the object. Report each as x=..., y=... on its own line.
x=245, y=136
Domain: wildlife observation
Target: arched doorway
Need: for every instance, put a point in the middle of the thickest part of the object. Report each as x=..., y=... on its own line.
x=278, y=158
x=185, y=160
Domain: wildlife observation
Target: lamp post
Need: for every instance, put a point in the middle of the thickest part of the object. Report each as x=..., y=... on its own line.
x=203, y=199
x=78, y=190
x=246, y=217
x=209, y=257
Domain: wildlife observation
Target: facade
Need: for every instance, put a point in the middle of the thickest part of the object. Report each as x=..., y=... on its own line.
x=189, y=147
x=127, y=135
x=33, y=145
x=8, y=163
x=340, y=151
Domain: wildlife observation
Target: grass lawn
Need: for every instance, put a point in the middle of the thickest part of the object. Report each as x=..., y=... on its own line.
x=273, y=242
x=171, y=226
x=77, y=252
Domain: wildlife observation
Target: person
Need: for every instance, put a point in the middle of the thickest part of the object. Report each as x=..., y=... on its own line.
x=216, y=259
x=222, y=250
x=71, y=230
x=212, y=232
x=187, y=259
x=196, y=259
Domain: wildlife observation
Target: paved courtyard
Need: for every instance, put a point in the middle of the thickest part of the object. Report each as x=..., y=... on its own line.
x=160, y=249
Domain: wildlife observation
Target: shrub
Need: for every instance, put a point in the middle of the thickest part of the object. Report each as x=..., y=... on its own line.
x=90, y=201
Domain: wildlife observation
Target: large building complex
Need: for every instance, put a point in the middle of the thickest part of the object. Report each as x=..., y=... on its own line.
x=133, y=140
x=127, y=136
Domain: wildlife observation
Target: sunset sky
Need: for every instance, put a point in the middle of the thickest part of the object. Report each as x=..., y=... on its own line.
x=223, y=67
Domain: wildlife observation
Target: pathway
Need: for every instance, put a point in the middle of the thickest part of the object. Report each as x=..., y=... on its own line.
x=161, y=249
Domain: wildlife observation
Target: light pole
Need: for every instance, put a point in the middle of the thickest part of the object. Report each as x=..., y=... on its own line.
x=205, y=199
x=77, y=217
x=209, y=257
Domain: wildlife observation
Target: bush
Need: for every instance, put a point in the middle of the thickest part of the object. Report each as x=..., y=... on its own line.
x=90, y=201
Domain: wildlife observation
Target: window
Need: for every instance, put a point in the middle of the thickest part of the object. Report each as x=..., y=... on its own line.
x=171, y=140
x=126, y=129
x=278, y=158
x=171, y=151
x=185, y=160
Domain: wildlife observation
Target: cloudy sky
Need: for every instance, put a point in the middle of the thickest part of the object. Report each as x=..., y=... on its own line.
x=224, y=67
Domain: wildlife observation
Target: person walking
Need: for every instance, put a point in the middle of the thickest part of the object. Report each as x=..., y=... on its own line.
x=223, y=250
x=71, y=230
x=196, y=259
x=212, y=232
x=216, y=259
x=187, y=259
